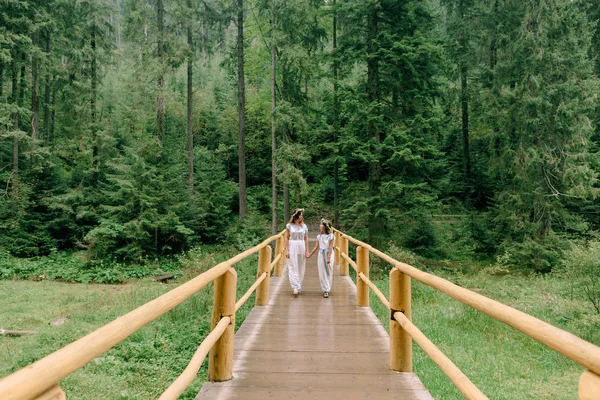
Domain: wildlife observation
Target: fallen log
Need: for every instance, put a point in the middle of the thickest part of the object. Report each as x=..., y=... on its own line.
x=164, y=278
x=16, y=333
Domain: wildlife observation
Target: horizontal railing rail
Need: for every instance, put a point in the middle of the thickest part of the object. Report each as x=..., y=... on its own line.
x=401, y=327
x=41, y=377
x=190, y=372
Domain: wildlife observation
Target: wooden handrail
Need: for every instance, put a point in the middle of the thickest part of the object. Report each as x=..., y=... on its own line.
x=275, y=261
x=249, y=292
x=375, y=290
x=350, y=261
x=460, y=380
x=43, y=374
x=189, y=373
x=582, y=352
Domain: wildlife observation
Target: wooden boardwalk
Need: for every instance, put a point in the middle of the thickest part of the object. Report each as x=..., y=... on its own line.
x=313, y=348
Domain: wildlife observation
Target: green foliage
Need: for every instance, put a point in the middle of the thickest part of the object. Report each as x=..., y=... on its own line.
x=69, y=267
x=387, y=142
x=421, y=237
x=533, y=255
x=141, y=210
x=582, y=268
x=211, y=210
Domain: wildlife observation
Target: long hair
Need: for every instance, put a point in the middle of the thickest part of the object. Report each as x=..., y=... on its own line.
x=296, y=214
x=327, y=225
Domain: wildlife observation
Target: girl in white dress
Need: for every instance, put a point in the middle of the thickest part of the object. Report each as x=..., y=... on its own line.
x=297, y=250
x=325, y=261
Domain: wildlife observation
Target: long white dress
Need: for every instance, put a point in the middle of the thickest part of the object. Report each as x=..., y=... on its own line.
x=297, y=250
x=325, y=271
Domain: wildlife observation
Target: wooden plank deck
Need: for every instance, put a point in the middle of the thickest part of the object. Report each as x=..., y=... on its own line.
x=311, y=347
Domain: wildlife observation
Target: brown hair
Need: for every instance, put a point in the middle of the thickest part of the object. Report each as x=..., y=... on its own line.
x=296, y=214
x=327, y=226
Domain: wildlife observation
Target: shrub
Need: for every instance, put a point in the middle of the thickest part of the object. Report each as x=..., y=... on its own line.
x=582, y=267
x=532, y=255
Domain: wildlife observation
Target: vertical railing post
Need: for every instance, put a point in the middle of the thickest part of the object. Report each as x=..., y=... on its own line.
x=220, y=361
x=589, y=386
x=278, y=250
x=264, y=265
x=362, y=263
x=344, y=250
x=336, y=247
x=54, y=393
x=400, y=340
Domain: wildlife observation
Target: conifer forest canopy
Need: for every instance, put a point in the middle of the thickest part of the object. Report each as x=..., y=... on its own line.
x=134, y=129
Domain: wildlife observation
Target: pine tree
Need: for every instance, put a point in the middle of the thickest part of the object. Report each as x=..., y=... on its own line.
x=542, y=153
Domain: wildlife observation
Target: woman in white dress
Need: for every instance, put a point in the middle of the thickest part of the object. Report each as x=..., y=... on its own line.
x=324, y=243
x=297, y=249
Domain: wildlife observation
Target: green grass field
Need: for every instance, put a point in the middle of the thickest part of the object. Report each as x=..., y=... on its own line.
x=142, y=366
x=502, y=362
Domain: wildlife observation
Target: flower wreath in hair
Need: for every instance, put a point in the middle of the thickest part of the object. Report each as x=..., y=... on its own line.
x=327, y=225
x=297, y=213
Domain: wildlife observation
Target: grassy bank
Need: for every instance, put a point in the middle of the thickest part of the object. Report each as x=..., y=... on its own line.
x=502, y=362
x=141, y=367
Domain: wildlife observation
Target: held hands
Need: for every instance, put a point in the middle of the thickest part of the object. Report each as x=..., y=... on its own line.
x=307, y=254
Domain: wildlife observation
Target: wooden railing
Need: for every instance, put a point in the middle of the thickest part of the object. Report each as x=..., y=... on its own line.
x=402, y=330
x=40, y=379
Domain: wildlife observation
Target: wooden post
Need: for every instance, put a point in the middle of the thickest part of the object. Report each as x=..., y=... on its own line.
x=400, y=340
x=589, y=386
x=362, y=262
x=264, y=265
x=343, y=263
x=220, y=361
x=336, y=246
x=54, y=393
x=278, y=249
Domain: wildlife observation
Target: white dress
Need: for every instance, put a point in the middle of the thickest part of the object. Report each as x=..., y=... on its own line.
x=296, y=263
x=325, y=271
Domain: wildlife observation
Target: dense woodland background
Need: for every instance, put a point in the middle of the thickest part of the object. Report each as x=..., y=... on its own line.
x=134, y=129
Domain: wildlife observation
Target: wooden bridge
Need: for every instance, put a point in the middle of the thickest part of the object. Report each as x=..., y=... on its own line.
x=304, y=347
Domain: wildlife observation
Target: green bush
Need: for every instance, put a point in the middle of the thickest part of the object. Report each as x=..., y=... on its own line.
x=421, y=237
x=582, y=268
x=532, y=255
x=70, y=267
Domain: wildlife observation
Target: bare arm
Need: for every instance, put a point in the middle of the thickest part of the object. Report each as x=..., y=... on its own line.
x=329, y=250
x=306, y=245
x=314, y=249
x=287, y=242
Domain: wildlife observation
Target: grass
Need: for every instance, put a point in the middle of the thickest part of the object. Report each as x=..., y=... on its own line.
x=142, y=366
x=502, y=362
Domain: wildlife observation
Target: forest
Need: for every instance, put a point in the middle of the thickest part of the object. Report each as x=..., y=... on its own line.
x=147, y=137
x=137, y=129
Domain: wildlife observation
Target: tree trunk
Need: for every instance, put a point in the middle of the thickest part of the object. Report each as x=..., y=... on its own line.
x=464, y=95
x=95, y=167
x=160, y=112
x=47, y=89
x=273, y=144
x=35, y=104
x=15, y=100
x=190, y=132
x=493, y=46
x=22, y=81
x=336, y=124
x=53, y=108
x=374, y=177
x=118, y=38
x=286, y=196
x=465, y=122
x=241, y=108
